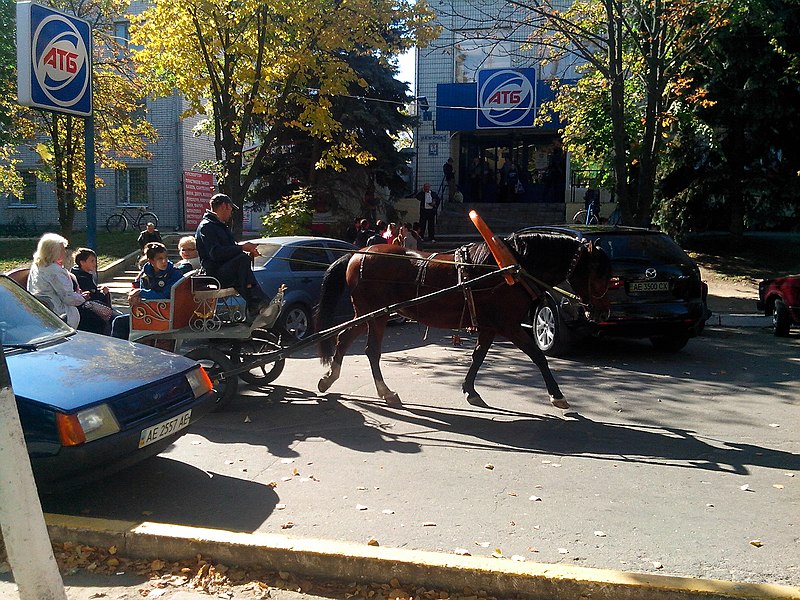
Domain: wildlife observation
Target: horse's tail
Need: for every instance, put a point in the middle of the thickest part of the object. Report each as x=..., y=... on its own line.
x=333, y=285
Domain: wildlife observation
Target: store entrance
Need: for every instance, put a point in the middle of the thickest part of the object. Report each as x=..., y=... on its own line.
x=511, y=167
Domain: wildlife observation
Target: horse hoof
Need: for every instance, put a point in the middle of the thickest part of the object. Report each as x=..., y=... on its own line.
x=476, y=400
x=393, y=400
x=324, y=385
x=559, y=403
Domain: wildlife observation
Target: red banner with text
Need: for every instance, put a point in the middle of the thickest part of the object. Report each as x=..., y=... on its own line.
x=197, y=191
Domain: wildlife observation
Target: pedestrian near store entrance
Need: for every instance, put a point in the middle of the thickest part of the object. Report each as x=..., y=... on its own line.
x=428, y=203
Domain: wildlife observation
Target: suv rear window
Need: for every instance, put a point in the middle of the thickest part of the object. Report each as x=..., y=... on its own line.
x=650, y=247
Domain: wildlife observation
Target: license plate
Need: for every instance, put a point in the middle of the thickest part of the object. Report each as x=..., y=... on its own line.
x=165, y=428
x=649, y=286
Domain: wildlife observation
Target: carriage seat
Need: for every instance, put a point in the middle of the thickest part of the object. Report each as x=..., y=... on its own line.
x=19, y=276
x=195, y=301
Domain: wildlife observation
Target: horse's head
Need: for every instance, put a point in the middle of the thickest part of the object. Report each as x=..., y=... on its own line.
x=589, y=279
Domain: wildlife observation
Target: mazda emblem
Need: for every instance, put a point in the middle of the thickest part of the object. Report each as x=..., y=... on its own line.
x=650, y=273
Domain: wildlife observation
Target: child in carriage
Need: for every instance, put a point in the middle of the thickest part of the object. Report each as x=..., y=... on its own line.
x=154, y=282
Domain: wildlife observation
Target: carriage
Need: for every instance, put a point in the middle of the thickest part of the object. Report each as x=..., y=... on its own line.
x=485, y=286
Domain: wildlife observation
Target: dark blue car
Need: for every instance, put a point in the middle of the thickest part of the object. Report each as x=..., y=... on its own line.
x=90, y=404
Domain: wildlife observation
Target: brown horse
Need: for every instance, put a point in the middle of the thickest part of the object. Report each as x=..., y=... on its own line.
x=385, y=275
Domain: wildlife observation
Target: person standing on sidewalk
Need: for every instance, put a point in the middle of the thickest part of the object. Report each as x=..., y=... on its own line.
x=428, y=203
x=450, y=178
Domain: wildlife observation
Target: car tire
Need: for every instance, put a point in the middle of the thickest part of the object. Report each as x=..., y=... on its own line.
x=295, y=321
x=549, y=332
x=216, y=363
x=781, y=320
x=670, y=343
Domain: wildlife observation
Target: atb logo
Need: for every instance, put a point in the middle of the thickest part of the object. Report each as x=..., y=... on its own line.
x=61, y=63
x=506, y=98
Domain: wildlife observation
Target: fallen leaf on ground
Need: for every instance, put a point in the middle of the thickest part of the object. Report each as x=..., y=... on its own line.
x=756, y=543
x=600, y=533
x=746, y=488
x=777, y=486
x=373, y=542
x=387, y=511
x=489, y=466
x=361, y=507
x=535, y=498
x=248, y=420
x=461, y=552
x=287, y=525
x=563, y=551
x=429, y=524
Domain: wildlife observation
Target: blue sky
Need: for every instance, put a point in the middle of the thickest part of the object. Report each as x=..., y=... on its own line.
x=407, y=74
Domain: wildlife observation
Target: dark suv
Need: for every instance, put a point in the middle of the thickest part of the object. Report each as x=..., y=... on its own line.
x=655, y=292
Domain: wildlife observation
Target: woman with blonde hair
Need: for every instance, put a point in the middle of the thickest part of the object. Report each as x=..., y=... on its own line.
x=51, y=282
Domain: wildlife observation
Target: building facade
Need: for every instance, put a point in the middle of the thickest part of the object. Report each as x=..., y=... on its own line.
x=479, y=87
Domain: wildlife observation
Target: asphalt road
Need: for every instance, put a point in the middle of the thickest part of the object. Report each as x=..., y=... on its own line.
x=685, y=464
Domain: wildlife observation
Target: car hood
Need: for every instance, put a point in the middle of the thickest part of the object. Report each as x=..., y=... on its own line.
x=84, y=368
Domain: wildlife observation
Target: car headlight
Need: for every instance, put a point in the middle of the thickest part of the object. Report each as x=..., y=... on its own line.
x=200, y=381
x=86, y=425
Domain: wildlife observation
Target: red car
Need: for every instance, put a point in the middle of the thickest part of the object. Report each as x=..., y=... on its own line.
x=780, y=297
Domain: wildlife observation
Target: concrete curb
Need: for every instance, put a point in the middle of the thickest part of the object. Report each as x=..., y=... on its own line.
x=357, y=562
x=739, y=320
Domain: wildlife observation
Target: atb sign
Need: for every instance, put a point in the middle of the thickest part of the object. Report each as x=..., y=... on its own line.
x=506, y=98
x=54, y=60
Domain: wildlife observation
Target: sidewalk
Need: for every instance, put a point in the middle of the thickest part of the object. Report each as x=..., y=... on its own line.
x=275, y=566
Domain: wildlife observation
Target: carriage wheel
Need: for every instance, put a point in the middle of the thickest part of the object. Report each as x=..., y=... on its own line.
x=262, y=374
x=216, y=363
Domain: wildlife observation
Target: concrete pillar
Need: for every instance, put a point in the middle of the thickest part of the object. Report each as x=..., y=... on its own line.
x=21, y=520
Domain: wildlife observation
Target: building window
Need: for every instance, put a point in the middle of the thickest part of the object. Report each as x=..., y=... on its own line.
x=474, y=54
x=122, y=37
x=28, y=198
x=132, y=187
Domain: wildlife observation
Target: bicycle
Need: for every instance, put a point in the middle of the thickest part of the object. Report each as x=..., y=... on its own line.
x=591, y=214
x=120, y=221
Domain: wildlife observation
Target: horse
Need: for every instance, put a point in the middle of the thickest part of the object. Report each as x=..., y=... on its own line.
x=383, y=275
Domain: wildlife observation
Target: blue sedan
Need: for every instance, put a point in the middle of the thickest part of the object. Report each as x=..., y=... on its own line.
x=299, y=262
x=89, y=404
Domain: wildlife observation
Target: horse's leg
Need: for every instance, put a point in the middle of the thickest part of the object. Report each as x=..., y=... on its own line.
x=524, y=342
x=482, y=346
x=343, y=341
x=376, y=329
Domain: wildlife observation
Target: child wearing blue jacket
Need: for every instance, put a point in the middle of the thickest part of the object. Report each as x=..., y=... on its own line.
x=154, y=282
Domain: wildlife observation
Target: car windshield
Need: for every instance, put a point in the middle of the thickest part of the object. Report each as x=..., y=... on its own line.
x=658, y=248
x=24, y=320
x=267, y=251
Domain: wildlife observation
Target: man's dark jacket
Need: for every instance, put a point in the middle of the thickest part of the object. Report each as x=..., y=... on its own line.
x=215, y=243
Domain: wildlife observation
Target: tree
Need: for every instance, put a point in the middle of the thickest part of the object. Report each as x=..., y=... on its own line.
x=375, y=114
x=121, y=127
x=260, y=68
x=741, y=144
x=646, y=40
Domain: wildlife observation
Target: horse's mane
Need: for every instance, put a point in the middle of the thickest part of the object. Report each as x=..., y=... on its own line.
x=537, y=252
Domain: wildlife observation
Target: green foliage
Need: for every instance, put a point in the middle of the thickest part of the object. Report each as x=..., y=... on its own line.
x=8, y=61
x=263, y=69
x=735, y=151
x=291, y=215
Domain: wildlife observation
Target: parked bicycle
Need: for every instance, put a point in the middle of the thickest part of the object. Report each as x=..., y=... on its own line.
x=590, y=215
x=122, y=220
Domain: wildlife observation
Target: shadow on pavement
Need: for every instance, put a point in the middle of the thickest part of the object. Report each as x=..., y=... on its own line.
x=580, y=436
x=280, y=416
x=168, y=491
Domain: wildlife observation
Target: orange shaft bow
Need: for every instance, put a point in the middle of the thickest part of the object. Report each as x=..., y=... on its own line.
x=498, y=249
